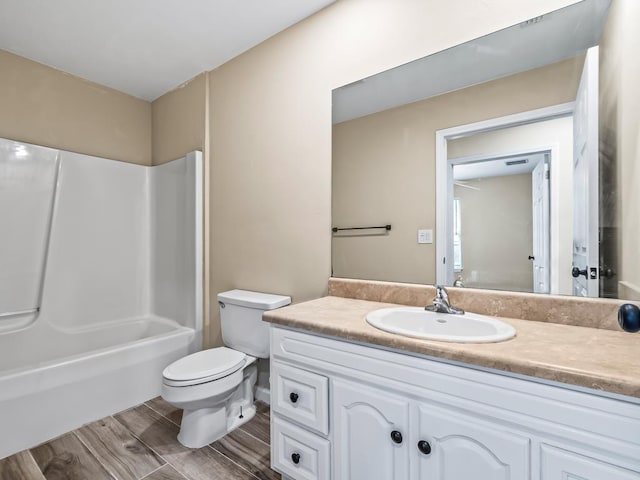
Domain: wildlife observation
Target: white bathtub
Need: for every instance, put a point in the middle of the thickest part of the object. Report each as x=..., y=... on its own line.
x=82, y=376
x=110, y=294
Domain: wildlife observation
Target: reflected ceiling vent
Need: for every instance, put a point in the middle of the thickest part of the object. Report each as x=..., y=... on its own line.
x=510, y=163
x=532, y=21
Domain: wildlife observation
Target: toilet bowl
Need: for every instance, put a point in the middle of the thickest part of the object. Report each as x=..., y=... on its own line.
x=215, y=387
x=202, y=385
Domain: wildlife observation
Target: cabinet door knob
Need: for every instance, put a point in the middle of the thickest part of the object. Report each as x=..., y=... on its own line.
x=293, y=396
x=396, y=436
x=424, y=447
x=295, y=458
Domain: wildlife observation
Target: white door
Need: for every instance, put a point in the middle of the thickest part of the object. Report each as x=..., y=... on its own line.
x=585, y=181
x=461, y=447
x=540, y=197
x=371, y=437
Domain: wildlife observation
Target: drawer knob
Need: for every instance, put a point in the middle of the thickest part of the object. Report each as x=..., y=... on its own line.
x=396, y=436
x=295, y=458
x=424, y=447
x=293, y=396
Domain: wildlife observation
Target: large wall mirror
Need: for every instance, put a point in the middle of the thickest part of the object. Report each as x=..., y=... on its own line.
x=509, y=162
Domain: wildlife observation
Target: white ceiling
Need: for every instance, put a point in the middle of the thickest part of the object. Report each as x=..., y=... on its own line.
x=498, y=167
x=143, y=47
x=550, y=38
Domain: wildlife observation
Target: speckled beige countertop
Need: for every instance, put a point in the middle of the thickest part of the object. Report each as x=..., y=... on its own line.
x=588, y=357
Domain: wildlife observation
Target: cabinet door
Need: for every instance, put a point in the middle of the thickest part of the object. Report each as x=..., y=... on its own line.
x=364, y=420
x=559, y=464
x=464, y=446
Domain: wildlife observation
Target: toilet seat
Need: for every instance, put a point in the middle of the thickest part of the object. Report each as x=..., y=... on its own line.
x=202, y=367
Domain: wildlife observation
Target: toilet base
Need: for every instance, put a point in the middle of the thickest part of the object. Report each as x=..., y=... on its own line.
x=247, y=414
x=206, y=425
x=202, y=426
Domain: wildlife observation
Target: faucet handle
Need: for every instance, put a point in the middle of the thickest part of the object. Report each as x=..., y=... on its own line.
x=441, y=303
x=441, y=293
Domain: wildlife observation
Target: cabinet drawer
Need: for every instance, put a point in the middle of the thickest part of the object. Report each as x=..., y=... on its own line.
x=298, y=453
x=301, y=396
x=559, y=464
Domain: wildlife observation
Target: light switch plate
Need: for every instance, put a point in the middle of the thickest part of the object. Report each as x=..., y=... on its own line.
x=425, y=236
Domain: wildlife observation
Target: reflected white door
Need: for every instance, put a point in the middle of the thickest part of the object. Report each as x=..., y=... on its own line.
x=540, y=197
x=585, y=181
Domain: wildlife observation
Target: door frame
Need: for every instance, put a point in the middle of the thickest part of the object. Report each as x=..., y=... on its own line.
x=444, y=178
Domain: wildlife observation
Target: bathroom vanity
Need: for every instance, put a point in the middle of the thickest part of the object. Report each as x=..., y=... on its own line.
x=350, y=402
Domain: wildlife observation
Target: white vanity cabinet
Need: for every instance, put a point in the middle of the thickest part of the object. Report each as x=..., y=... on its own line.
x=362, y=412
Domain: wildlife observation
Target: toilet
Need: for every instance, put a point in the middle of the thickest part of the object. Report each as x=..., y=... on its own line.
x=215, y=387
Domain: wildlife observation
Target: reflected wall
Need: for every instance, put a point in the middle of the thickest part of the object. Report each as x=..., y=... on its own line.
x=384, y=169
x=620, y=148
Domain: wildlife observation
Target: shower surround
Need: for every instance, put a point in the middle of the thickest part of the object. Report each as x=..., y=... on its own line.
x=100, y=285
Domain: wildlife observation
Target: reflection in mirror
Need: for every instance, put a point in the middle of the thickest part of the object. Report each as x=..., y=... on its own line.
x=502, y=181
x=532, y=136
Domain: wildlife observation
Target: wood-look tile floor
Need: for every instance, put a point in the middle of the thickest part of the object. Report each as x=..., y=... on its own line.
x=140, y=443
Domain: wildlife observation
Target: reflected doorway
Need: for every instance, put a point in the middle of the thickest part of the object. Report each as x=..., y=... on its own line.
x=501, y=221
x=529, y=158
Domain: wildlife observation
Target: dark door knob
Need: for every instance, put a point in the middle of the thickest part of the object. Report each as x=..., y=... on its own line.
x=576, y=272
x=295, y=458
x=396, y=436
x=531, y=257
x=607, y=273
x=424, y=447
x=293, y=396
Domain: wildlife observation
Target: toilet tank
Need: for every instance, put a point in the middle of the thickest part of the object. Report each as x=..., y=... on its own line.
x=241, y=320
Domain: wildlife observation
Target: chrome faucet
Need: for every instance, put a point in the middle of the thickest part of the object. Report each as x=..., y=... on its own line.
x=441, y=303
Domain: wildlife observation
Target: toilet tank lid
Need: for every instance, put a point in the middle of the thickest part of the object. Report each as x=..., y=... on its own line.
x=257, y=300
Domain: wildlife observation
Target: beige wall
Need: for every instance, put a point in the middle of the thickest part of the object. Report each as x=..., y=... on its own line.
x=45, y=106
x=48, y=107
x=178, y=121
x=271, y=129
x=384, y=168
x=497, y=232
x=556, y=133
x=619, y=132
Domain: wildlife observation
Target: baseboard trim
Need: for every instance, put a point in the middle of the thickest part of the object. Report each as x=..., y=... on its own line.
x=263, y=394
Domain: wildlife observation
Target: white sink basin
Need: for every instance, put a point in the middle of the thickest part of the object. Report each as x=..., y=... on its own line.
x=445, y=327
